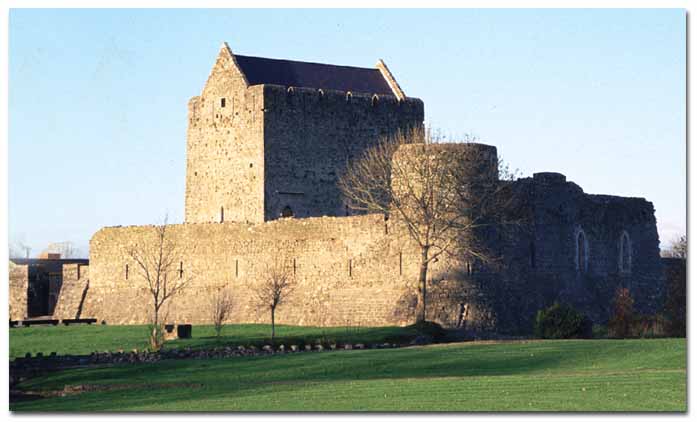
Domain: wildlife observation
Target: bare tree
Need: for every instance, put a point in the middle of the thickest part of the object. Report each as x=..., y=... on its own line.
x=221, y=305
x=65, y=249
x=442, y=194
x=19, y=249
x=677, y=248
x=156, y=263
x=275, y=288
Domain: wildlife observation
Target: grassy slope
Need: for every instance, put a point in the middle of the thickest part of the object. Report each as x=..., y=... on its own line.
x=86, y=339
x=600, y=375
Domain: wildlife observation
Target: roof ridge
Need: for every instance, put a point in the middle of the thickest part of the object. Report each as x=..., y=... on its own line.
x=305, y=62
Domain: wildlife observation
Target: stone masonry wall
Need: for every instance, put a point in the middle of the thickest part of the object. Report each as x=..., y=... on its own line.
x=546, y=255
x=309, y=137
x=19, y=283
x=225, y=161
x=73, y=291
x=347, y=271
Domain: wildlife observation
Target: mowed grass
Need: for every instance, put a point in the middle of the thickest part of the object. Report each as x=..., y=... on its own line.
x=84, y=339
x=571, y=375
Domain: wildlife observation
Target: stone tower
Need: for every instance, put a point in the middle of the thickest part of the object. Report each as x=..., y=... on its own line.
x=269, y=138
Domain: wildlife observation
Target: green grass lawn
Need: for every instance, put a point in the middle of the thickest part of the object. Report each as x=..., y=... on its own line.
x=571, y=375
x=85, y=339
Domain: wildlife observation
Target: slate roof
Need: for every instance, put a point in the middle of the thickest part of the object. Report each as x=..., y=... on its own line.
x=260, y=70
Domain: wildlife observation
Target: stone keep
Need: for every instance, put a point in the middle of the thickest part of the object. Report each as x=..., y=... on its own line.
x=269, y=138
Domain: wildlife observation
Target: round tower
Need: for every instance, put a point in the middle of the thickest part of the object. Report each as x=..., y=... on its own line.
x=470, y=164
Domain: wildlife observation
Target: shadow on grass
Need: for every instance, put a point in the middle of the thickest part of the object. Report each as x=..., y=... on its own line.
x=266, y=376
x=244, y=376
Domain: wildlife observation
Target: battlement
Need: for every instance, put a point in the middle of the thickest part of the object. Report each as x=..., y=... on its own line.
x=290, y=96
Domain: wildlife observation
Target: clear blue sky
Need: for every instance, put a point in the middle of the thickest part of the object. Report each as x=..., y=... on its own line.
x=97, y=98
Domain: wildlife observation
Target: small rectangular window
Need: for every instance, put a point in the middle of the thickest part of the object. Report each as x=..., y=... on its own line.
x=222, y=102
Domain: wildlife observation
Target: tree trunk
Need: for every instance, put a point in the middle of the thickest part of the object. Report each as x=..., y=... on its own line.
x=273, y=324
x=423, y=272
x=154, y=341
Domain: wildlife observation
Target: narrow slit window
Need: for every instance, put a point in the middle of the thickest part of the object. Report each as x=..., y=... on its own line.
x=625, y=253
x=581, y=252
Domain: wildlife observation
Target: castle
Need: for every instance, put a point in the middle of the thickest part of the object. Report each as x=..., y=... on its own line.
x=267, y=141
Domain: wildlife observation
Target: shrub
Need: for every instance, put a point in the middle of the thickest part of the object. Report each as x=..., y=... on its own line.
x=562, y=321
x=622, y=319
x=648, y=326
x=599, y=331
x=430, y=329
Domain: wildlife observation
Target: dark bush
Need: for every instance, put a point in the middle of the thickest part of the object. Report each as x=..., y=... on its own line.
x=430, y=329
x=562, y=321
x=649, y=326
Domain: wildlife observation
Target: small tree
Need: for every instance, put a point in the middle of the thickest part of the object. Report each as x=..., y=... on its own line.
x=275, y=288
x=156, y=263
x=620, y=323
x=221, y=305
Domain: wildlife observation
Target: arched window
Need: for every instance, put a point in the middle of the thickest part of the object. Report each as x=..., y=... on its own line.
x=375, y=100
x=625, y=258
x=349, y=96
x=581, y=251
x=286, y=212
